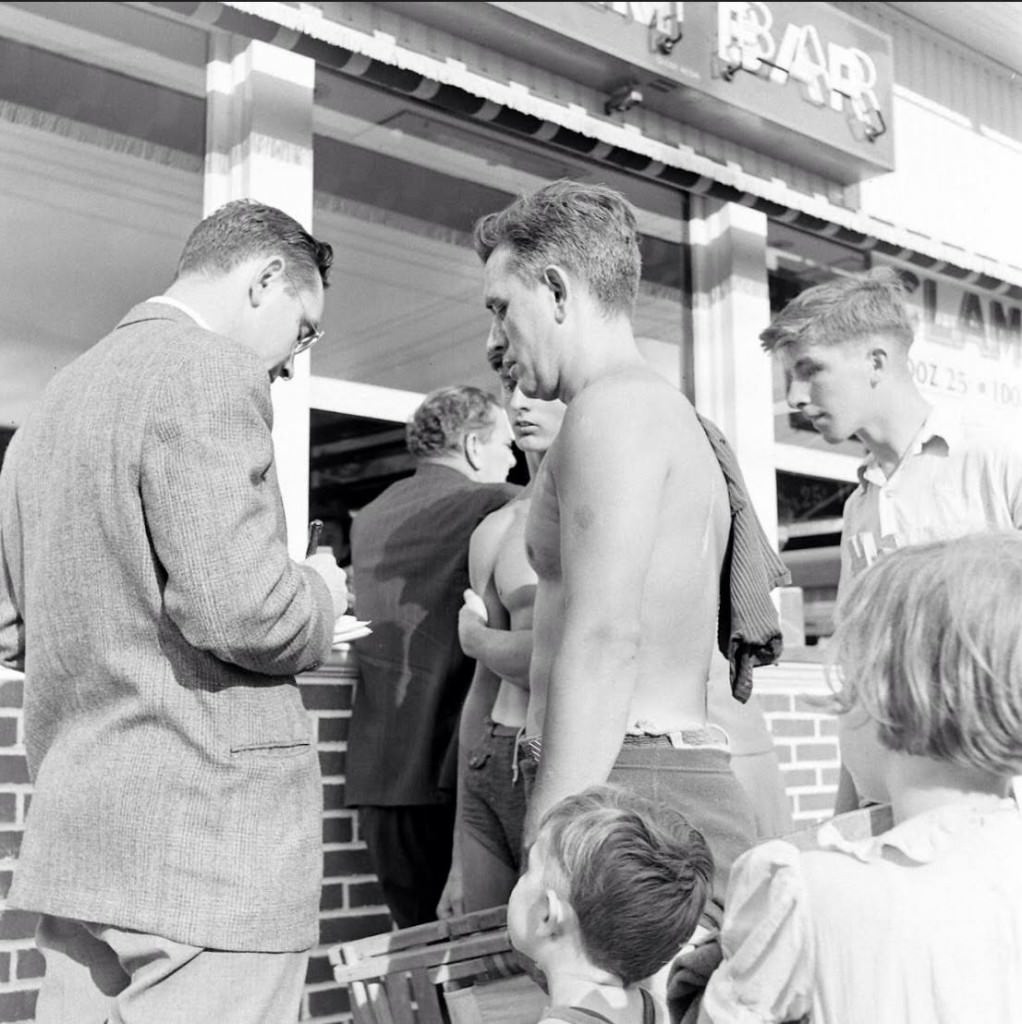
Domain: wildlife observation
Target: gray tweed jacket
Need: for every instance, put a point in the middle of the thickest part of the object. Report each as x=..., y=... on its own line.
x=146, y=591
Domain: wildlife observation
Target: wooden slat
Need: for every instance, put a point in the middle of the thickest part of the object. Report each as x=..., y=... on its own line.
x=501, y=965
x=421, y=935
x=378, y=1003
x=480, y=921
x=427, y=1002
x=463, y=1007
x=361, y=1011
x=472, y=946
x=399, y=998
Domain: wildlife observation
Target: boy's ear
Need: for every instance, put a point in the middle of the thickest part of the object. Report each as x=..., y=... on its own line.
x=879, y=360
x=555, y=914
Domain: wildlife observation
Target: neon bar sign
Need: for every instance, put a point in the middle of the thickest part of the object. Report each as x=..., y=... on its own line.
x=842, y=77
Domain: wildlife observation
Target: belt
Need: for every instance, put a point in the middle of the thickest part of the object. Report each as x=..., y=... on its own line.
x=499, y=729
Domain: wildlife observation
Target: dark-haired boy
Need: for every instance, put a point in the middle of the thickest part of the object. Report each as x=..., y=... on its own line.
x=614, y=887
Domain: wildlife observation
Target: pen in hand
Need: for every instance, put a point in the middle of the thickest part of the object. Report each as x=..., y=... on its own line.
x=315, y=529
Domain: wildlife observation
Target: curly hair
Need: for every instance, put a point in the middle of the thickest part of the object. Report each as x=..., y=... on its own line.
x=244, y=229
x=589, y=229
x=845, y=309
x=440, y=423
x=635, y=872
x=928, y=645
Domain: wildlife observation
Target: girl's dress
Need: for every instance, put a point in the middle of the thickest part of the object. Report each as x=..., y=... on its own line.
x=919, y=925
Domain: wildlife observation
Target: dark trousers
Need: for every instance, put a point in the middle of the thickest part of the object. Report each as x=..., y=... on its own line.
x=410, y=848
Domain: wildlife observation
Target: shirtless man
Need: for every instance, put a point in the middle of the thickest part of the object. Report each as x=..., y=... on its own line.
x=628, y=525
x=495, y=628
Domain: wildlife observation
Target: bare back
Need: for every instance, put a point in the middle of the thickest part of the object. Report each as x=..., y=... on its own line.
x=670, y=512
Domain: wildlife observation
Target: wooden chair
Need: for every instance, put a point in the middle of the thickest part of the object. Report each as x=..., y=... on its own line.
x=436, y=974
x=463, y=970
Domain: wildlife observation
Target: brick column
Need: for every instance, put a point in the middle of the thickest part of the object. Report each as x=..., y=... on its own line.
x=21, y=964
x=351, y=905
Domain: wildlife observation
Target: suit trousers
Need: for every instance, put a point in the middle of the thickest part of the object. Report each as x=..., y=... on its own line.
x=410, y=847
x=98, y=974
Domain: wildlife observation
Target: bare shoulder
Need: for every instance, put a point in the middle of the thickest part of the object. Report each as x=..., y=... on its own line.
x=635, y=407
x=487, y=539
x=493, y=527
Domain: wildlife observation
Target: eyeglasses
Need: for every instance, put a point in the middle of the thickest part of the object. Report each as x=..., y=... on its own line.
x=309, y=333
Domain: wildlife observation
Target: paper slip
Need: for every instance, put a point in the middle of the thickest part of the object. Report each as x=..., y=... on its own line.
x=348, y=628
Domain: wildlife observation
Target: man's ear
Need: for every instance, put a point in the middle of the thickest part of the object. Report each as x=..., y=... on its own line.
x=471, y=449
x=556, y=280
x=879, y=362
x=264, y=276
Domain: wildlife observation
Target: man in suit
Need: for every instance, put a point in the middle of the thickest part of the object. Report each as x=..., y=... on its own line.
x=173, y=844
x=409, y=554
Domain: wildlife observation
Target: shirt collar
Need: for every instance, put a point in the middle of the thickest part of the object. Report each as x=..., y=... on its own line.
x=922, y=838
x=187, y=310
x=942, y=424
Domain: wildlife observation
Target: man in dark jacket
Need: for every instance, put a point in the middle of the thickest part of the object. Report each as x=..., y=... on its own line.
x=410, y=563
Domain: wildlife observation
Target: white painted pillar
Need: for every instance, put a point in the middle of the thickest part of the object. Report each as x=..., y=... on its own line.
x=259, y=105
x=732, y=378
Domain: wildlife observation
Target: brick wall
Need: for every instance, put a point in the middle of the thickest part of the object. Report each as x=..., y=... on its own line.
x=351, y=905
x=793, y=697
x=21, y=965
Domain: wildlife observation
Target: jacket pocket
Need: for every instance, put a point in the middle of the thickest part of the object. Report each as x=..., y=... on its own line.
x=268, y=719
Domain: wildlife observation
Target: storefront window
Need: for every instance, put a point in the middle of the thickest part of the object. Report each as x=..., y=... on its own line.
x=399, y=186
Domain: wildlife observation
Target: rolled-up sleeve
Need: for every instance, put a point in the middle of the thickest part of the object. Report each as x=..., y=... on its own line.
x=767, y=971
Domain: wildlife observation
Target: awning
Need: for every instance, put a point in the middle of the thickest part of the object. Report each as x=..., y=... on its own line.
x=451, y=85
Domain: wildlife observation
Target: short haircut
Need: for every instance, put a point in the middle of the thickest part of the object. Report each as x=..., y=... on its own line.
x=439, y=425
x=635, y=872
x=928, y=645
x=589, y=229
x=846, y=309
x=242, y=230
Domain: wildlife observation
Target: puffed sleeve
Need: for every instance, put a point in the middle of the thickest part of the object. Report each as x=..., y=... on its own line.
x=767, y=971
